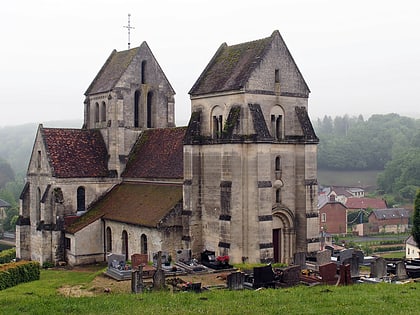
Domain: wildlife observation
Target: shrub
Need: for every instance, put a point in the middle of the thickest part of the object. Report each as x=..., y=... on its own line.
x=7, y=255
x=18, y=272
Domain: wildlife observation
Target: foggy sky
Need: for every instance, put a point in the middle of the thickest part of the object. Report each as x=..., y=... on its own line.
x=358, y=57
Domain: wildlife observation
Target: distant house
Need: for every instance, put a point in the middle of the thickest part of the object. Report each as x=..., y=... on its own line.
x=342, y=193
x=356, y=204
x=333, y=217
x=393, y=220
x=412, y=250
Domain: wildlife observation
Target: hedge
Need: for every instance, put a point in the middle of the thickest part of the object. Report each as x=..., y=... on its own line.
x=18, y=272
x=7, y=255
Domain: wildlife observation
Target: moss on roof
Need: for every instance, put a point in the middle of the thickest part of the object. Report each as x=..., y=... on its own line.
x=134, y=203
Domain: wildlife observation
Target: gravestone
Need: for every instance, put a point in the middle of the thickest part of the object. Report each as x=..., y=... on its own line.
x=183, y=255
x=328, y=273
x=137, y=280
x=345, y=254
x=345, y=275
x=159, y=275
x=400, y=270
x=138, y=259
x=378, y=268
x=330, y=248
x=116, y=261
x=290, y=276
x=299, y=259
x=354, y=265
x=263, y=277
x=235, y=280
x=360, y=255
x=163, y=258
x=323, y=257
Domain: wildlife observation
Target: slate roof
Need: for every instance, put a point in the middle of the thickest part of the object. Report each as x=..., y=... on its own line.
x=158, y=153
x=410, y=240
x=75, y=152
x=391, y=213
x=111, y=71
x=141, y=204
x=364, y=203
x=231, y=67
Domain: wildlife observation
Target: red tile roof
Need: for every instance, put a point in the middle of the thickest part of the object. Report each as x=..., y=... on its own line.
x=75, y=152
x=135, y=203
x=364, y=203
x=158, y=153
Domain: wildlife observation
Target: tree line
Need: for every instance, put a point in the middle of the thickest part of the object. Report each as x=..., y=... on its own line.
x=389, y=143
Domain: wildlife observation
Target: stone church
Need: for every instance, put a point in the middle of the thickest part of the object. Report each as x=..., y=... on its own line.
x=240, y=179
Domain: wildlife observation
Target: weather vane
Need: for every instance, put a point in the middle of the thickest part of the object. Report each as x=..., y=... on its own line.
x=129, y=28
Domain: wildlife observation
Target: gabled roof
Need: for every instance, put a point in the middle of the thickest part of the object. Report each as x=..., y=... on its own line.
x=158, y=153
x=116, y=65
x=111, y=71
x=364, y=203
x=391, y=213
x=133, y=203
x=231, y=67
x=75, y=152
x=410, y=241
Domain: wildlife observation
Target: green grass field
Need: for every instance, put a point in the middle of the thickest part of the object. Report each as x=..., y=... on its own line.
x=41, y=297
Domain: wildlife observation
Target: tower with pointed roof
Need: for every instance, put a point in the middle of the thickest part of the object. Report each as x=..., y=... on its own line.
x=250, y=182
x=129, y=94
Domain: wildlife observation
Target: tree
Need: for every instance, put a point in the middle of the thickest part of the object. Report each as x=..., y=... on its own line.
x=416, y=219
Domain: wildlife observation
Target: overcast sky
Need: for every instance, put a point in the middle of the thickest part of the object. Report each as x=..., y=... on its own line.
x=358, y=57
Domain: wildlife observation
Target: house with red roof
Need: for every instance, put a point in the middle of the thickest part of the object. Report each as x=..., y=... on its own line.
x=240, y=179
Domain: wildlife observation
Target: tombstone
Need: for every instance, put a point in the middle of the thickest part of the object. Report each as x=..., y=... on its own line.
x=137, y=280
x=378, y=268
x=138, y=260
x=328, y=273
x=159, y=275
x=400, y=270
x=345, y=275
x=116, y=261
x=323, y=257
x=263, y=277
x=354, y=265
x=164, y=258
x=235, y=280
x=330, y=248
x=345, y=254
x=360, y=255
x=299, y=259
x=290, y=276
x=183, y=255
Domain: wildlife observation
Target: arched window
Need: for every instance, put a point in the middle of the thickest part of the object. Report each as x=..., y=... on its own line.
x=149, y=109
x=143, y=244
x=124, y=249
x=96, y=112
x=277, y=122
x=278, y=164
x=217, y=122
x=108, y=239
x=143, y=72
x=81, y=199
x=38, y=205
x=136, y=109
x=103, y=112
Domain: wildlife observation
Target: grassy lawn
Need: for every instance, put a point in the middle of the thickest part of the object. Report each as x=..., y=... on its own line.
x=41, y=297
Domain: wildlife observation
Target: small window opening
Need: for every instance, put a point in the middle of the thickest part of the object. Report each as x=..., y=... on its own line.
x=81, y=199
x=136, y=109
x=276, y=76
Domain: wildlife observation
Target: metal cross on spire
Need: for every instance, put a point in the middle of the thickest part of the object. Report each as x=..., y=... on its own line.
x=129, y=28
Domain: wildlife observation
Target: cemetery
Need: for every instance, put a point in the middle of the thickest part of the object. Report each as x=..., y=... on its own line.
x=327, y=267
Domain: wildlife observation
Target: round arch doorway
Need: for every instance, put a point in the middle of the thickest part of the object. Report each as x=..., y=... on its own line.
x=284, y=235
